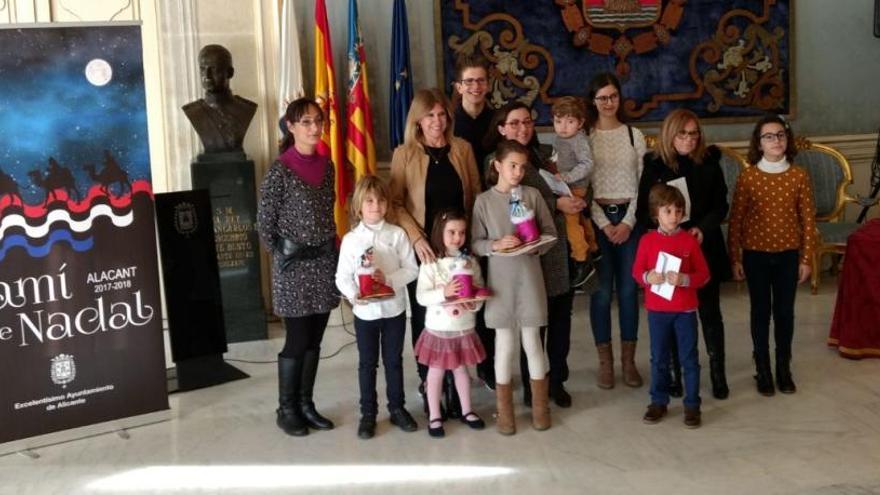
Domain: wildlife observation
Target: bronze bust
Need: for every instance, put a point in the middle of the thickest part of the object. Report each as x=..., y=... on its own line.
x=221, y=119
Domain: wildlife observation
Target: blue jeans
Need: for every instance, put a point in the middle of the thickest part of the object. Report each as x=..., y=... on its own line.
x=662, y=327
x=615, y=268
x=389, y=333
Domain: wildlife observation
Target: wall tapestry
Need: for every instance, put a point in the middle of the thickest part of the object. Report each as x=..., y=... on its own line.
x=720, y=58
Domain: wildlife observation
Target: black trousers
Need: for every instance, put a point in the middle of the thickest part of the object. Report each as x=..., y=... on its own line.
x=558, y=339
x=772, y=280
x=486, y=367
x=417, y=323
x=303, y=333
x=385, y=335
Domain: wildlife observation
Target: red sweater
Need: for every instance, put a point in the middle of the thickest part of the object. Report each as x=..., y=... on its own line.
x=682, y=245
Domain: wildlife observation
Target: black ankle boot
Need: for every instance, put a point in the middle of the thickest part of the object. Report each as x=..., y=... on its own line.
x=560, y=396
x=450, y=397
x=783, y=376
x=764, y=376
x=306, y=404
x=289, y=416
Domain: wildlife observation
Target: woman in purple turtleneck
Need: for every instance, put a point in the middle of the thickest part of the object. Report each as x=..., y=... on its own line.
x=296, y=225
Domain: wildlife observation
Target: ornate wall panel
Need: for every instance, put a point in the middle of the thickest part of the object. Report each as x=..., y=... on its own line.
x=720, y=58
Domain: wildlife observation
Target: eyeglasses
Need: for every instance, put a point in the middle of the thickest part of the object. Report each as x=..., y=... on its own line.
x=309, y=123
x=479, y=81
x=684, y=134
x=608, y=99
x=770, y=136
x=520, y=123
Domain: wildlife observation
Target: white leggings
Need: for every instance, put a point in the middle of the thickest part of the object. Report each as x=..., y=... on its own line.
x=507, y=353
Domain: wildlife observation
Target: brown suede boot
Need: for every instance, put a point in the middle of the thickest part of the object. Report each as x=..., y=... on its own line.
x=606, y=366
x=505, y=422
x=631, y=374
x=541, y=404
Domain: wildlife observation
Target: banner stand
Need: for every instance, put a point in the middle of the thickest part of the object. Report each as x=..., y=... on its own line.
x=26, y=446
x=201, y=372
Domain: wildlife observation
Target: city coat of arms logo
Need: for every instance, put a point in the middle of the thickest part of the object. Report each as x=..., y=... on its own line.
x=62, y=369
x=621, y=14
x=185, y=220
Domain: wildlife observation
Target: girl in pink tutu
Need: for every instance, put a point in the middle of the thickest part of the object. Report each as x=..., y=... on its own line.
x=449, y=341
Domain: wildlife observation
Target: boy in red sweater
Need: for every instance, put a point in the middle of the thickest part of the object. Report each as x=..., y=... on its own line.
x=676, y=315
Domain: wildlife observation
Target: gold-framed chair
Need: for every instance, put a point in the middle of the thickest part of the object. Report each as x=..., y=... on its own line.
x=831, y=175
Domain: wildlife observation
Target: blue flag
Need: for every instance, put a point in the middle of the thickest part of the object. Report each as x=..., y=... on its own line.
x=401, y=81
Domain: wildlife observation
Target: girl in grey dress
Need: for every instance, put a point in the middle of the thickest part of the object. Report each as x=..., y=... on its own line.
x=520, y=299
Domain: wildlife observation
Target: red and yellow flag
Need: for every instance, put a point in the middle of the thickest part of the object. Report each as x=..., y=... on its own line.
x=359, y=147
x=325, y=95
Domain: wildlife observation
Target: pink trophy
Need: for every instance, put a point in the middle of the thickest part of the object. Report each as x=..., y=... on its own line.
x=523, y=218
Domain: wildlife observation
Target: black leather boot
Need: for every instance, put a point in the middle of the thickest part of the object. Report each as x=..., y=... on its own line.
x=714, y=336
x=450, y=396
x=783, y=375
x=307, y=385
x=559, y=395
x=764, y=376
x=289, y=416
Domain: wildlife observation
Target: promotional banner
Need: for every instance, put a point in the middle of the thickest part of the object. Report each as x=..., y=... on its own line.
x=80, y=315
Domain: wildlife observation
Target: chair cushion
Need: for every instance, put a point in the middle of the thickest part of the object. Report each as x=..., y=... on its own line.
x=731, y=169
x=826, y=175
x=836, y=232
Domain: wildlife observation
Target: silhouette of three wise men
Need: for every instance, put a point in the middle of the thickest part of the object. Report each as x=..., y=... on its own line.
x=59, y=177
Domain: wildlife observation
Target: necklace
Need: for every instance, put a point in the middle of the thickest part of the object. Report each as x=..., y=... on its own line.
x=436, y=154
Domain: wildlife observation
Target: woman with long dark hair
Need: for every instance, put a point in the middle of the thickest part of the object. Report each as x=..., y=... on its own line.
x=617, y=163
x=295, y=222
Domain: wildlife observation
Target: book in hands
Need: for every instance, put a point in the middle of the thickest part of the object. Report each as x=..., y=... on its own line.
x=558, y=186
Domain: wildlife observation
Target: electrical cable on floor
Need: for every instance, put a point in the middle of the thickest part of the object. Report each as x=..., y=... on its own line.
x=345, y=329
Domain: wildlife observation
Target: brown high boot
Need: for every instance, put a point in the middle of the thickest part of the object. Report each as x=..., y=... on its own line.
x=505, y=421
x=541, y=404
x=606, y=366
x=631, y=374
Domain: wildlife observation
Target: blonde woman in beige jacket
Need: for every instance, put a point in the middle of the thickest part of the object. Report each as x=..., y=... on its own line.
x=431, y=171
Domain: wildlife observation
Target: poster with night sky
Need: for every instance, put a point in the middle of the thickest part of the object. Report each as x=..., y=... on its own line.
x=80, y=314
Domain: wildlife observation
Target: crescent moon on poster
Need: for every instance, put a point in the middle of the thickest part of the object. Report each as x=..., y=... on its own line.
x=98, y=72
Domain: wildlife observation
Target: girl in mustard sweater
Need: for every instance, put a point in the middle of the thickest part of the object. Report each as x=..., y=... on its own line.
x=771, y=241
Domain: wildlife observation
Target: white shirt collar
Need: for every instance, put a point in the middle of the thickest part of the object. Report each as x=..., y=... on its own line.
x=773, y=167
x=376, y=227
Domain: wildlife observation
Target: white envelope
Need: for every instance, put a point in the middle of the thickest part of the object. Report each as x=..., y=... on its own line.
x=666, y=263
x=682, y=186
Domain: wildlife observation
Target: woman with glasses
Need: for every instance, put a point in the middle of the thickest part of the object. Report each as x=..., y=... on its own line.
x=295, y=222
x=514, y=121
x=617, y=163
x=682, y=155
x=431, y=171
x=772, y=238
